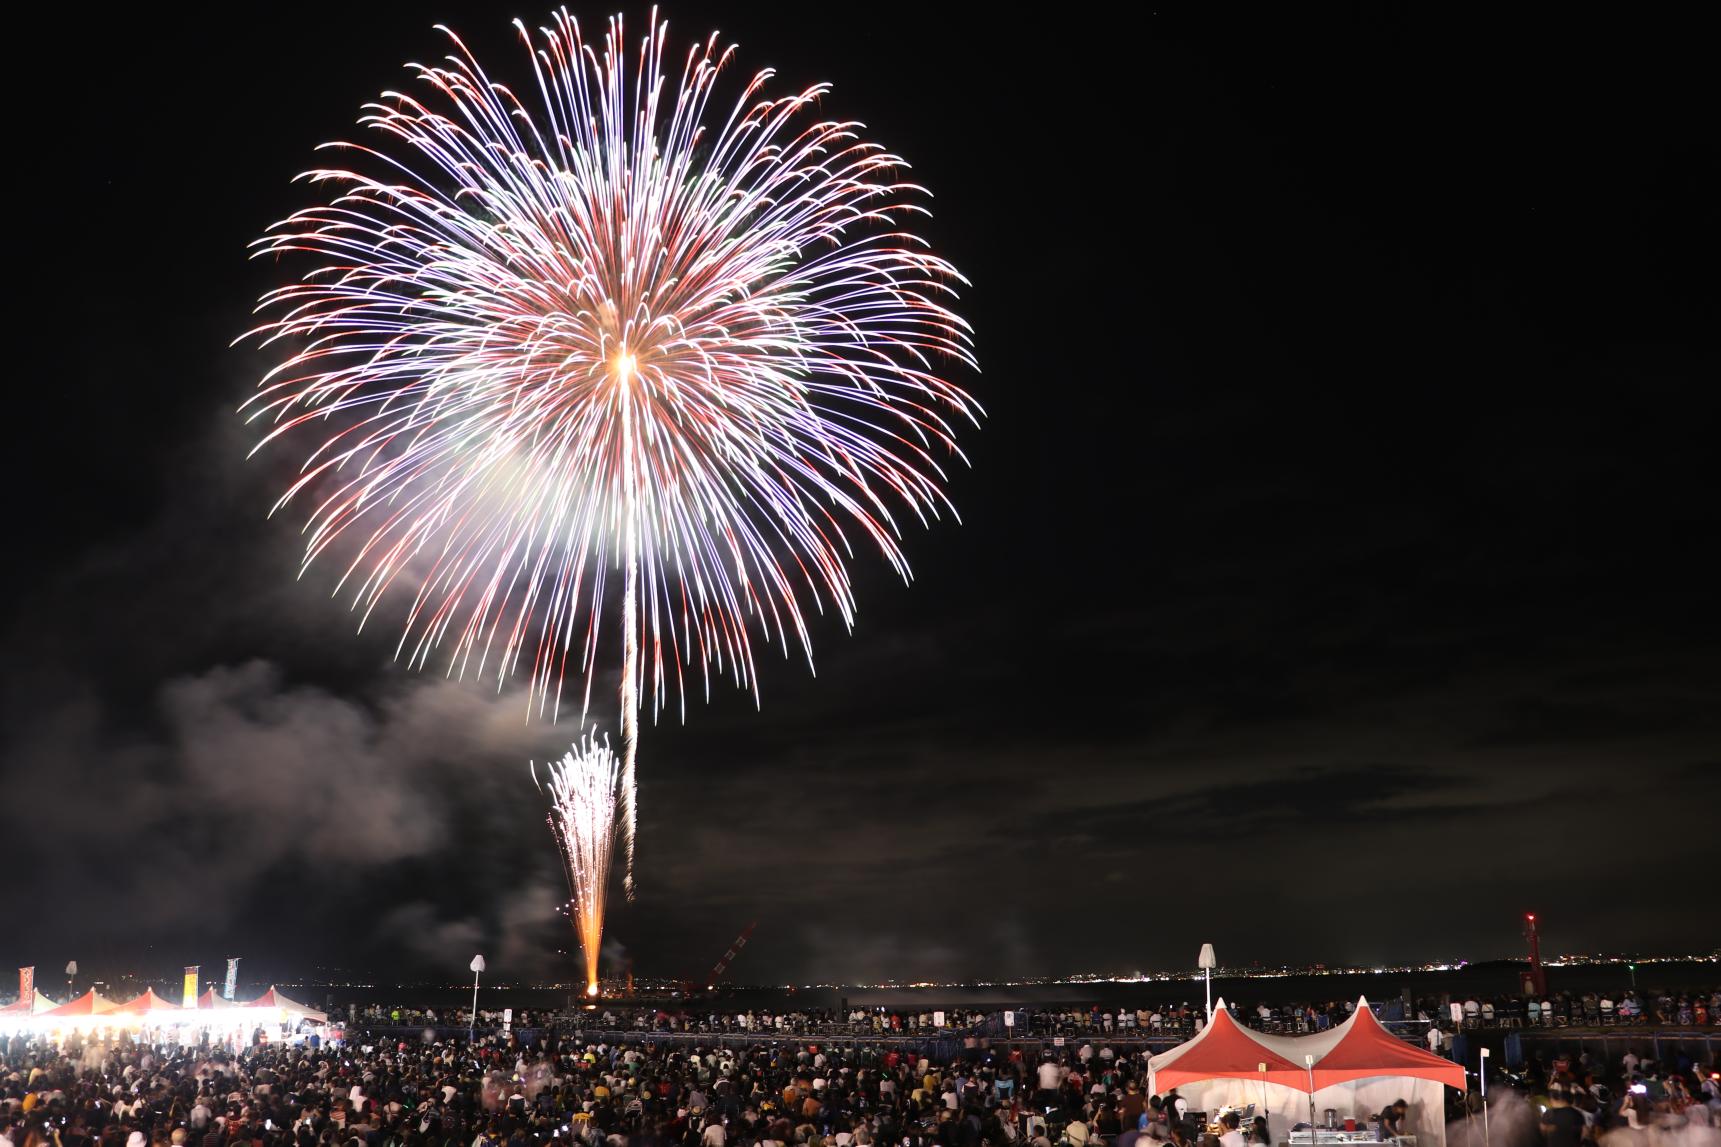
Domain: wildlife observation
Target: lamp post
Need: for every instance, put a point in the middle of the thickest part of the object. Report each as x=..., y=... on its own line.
x=1207, y=961
x=1262, y=1068
x=71, y=974
x=1482, y=1071
x=477, y=966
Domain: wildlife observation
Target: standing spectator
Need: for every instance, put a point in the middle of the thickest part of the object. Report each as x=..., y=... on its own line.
x=1562, y=1124
x=1231, y=1136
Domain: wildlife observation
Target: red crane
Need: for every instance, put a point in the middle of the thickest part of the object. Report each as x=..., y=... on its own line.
x=1536, y=979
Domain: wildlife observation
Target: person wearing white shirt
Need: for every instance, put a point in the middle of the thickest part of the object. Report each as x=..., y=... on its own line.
x=1232, y=1136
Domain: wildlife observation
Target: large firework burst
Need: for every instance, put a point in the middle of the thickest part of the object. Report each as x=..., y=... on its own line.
x=613, y=329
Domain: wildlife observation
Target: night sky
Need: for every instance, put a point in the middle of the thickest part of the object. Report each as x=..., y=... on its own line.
x=1336, y=580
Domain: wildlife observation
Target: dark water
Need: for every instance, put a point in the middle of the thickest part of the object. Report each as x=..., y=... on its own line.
x=1480, y=980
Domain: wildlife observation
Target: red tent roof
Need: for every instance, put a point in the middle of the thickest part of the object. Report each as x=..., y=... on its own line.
x=88, y=1004
x=1224, y=1050
x=210, y=1000
x=148, y=1002
x=31, y=1007
x=274, y=999
x=1368, y=1049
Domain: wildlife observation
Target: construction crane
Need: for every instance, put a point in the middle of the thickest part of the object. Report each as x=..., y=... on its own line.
x=722, y=965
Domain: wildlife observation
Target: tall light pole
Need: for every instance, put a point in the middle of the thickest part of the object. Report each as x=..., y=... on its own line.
x=71, y=974
x=1207, y=962
x=477, y=966
x=1483, y=1072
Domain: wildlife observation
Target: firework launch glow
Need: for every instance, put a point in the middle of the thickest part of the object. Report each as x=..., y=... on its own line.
x=583, y=793
x=613, y=329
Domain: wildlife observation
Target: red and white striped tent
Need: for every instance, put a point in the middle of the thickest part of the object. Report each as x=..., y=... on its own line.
x=33, y=1007
x=91, y=1003
x=290, y=1009
x=1354, y=1070
x=147, y=1004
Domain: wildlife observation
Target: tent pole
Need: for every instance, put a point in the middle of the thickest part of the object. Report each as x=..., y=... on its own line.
x=1314, y=1132
x=1483, y=1075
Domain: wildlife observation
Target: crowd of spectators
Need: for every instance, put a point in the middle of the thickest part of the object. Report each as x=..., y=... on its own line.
x=1561, y=1009
x=650, y=1092
x=1666, y=1009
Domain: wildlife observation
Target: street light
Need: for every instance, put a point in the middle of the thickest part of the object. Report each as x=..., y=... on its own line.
x=1483, y=1073
x=1207, y=962
x=71, y=974
x=477, y=966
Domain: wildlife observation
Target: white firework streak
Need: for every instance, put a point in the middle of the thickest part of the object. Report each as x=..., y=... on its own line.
x=610, y=328
x=582, y=787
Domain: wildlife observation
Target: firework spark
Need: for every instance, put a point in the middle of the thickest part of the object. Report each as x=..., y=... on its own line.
x=615, y=326
x=583, y=793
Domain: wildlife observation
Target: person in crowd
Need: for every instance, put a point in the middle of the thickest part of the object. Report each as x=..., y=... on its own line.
x=1231, y=1134
x=1562, y=1125
x=1393, y=1119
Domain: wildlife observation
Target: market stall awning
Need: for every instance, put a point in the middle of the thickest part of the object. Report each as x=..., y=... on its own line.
x=1365, y=1049
x=290, y=1008
x=91, y=1003
x=144, y=1004
x=209, y=1000
x=1224, y=1049
x=33, y=1007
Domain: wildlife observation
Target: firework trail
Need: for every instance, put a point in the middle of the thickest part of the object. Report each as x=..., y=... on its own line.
x=583, y=793
x=612, y=325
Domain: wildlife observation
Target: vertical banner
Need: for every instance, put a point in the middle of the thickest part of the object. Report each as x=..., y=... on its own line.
x=232, y=983
x=191, y=985
x=26, y=988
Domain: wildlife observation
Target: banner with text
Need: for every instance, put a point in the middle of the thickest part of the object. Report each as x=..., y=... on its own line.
x=232, y=983
x=191, y=985
x=26, y=987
